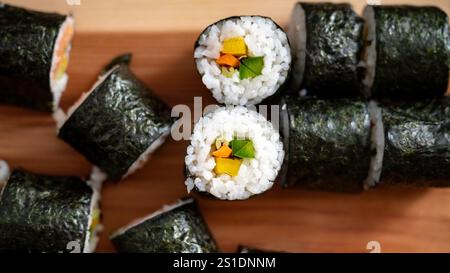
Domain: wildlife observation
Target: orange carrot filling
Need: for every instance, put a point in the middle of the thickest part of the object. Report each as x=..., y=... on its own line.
x=62, y=55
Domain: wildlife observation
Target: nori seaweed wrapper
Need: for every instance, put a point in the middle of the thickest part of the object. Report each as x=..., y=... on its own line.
x=179, y=230
x=27, y=42
x=327, y=143
x=41, y=213
x=334, y=41
x=417, y=148
x=117, y=122
x=411, y=52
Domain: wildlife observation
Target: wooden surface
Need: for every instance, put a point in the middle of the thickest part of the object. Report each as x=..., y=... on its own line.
x=401, y=220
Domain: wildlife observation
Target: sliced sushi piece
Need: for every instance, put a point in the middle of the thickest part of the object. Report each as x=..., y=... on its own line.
x=118, y=123
x=234, y=153
x=177, y=228
x=40, y=213
x=417, y=150
x=326, y=42
x=243, y=59
x=34, y=54
x=327, y=143
x=406, y=55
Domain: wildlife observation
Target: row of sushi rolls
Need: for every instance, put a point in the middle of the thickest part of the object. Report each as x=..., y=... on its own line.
x=362, y=100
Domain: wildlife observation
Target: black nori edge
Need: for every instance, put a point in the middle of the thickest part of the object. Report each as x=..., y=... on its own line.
x=417, y=148
x=27, y=41
x=412, y=59
x=40, y=213
x=334, y=41
x=179, y=230
x=117, y=122
x=327, y=143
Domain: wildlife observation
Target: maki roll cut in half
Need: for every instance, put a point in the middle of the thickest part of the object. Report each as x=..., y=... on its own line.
x=326, y=42
x=331, y=145
x=40, y=213
x=234, y=153
x=118, y=123
x=178, y=228
x=417, y=143
x=407, y=52
x=243, y=59
x=34, y=54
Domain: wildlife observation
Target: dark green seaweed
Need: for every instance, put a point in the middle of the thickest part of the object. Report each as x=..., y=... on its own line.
x=327, y=143
x=179, y=230
x=412, y=53
x=41, y=213
x=417, y=148
x=333, y=48
x=117, y=122
x=27, y=41
x=121, y=59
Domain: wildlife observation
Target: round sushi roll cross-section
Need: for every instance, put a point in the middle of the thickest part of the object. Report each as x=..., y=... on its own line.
x=41, y=213
x=118, y=124
x=406, y=54
x=34, y=54
x=178, y=228
x=243, y=60
x=327, y=143
x=326, y=42
x=234, y=153
x=417, y=150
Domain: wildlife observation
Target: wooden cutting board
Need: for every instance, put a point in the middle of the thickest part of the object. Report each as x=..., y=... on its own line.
x=400, y=219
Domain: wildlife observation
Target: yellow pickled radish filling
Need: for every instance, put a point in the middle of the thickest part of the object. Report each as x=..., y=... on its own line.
x=95, y=220
x=62, y=53
x=234, y=58
x=229, y=156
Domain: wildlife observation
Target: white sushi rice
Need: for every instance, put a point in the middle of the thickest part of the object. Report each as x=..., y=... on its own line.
x=59, y=85
x=263, y=38
x=164, y=209
x=4, y=173
x=297, y=35
x=255, y=175
x=369, y=58
x=377, y=144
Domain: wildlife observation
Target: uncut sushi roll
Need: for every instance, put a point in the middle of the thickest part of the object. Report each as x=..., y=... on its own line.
x=417, y=145
x=118, y=123
x=40, y=213
x=234, y=153
x=177, y=228
x=407, y=52
x=34, y=54
x=243, y=59
x=326, y=42
x=331, y=145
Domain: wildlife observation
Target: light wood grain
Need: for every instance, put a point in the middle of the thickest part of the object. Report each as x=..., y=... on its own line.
x=161, y=36
x=180, y=15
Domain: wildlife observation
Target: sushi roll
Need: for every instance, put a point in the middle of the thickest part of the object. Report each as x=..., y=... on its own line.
x=407, y=52
x=328, y=143
x=34, y=54
x=326, y=42
x=234, y=153
x=243, y=59
x=40, y=213
x=417, y=148
x=178, y=228
x=118, y=123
